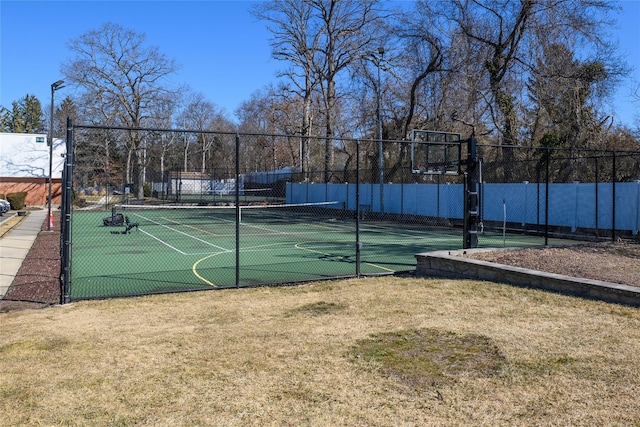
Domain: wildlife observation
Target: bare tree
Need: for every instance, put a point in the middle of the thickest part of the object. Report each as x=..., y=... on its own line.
x=349, y=32
x=320, y=38
x=296, y=41
x=164, y=142
x=202, y=115
x=508, y=32
x=120, y=80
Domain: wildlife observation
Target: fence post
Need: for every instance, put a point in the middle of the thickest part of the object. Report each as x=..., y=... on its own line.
x=546, y=198
x=637, y=222
x=66, y=209
x=597, y=178
x=358, y=243
x=524, y=211
x=237, y=210
x=576, y=207
x=613, y=198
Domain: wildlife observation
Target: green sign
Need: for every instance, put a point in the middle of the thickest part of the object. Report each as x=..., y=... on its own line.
x=39, y=138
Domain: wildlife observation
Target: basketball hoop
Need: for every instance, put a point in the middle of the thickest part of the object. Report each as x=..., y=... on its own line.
x=435, y=153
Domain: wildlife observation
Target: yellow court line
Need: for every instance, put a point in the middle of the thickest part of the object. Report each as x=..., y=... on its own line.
x=194, y=267
x=380, y=267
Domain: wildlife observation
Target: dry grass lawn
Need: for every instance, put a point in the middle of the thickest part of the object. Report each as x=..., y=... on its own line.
x=371, y=352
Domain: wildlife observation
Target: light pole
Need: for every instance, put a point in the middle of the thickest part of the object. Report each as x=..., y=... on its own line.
x=55, y=86
x=380, y=157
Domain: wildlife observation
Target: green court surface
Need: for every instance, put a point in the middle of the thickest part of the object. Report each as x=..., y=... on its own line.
x=194, y=249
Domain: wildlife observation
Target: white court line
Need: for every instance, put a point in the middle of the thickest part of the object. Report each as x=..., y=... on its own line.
x=164, y=243
x=180, y=232
x=332, y=226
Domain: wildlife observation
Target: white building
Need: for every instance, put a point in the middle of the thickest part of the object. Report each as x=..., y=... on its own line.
x=24, y=166
x=26, y=155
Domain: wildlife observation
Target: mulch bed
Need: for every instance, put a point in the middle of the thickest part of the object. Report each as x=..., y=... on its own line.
x=615, y=262
x=37, y=283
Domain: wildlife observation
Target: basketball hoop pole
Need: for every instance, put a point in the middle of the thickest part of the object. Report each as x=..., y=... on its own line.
x=471, y=196
x=441, y=153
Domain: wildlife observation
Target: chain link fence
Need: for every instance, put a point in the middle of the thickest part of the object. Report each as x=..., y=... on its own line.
x=158, y=211
x=558, y=193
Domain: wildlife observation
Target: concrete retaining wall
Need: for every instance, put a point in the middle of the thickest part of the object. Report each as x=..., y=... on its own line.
x=452, y=264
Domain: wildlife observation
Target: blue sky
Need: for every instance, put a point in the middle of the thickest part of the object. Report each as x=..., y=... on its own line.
x=223, y=52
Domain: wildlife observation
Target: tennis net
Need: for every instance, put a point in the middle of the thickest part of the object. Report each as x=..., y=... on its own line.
x=226, y=215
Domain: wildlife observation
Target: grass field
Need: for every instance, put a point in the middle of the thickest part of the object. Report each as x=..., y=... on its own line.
x=377, y=352
x=195, y=249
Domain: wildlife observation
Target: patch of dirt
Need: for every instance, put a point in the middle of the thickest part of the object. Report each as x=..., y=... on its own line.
x=615, y=262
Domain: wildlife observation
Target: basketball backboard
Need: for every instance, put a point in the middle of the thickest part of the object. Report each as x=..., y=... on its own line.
x=434, y=152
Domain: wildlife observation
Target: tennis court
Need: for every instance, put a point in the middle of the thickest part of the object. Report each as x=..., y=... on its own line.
x=434, y=195
x=182, y=248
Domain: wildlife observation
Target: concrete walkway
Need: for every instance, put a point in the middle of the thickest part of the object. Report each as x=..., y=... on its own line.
x=15, y=245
